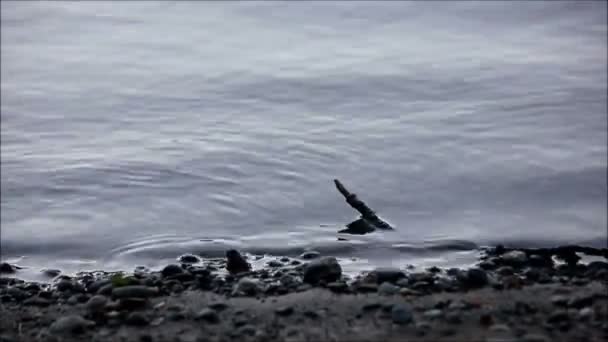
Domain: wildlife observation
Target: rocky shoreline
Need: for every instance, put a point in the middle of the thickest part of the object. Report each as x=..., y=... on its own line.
x=511, y=295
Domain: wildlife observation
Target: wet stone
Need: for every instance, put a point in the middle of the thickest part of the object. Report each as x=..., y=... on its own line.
x=71, y=324
x=172, y=270
x=388, y=289
x=96, y=303
x=310, y=255
x=324, y=269
x=51, y=273
x=134, y=291
x=284, y=311
x=401, y=314
x=274, y=264
x=189, y=259
x=208, y=315
x=137, y=319
x=5, y=267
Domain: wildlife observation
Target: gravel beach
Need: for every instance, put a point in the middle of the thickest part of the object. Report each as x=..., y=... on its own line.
x=512, y=295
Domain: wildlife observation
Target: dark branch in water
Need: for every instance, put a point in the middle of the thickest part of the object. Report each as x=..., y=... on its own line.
x=368, y=221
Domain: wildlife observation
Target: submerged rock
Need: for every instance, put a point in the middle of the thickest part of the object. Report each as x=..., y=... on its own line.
x=401, y=314
x=310, y=255
x=385, y=274
x=325, y=269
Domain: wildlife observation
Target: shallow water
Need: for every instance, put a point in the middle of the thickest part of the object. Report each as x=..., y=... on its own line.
x=132, y=131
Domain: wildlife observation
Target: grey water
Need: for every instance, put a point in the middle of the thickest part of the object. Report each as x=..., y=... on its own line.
x=133, y=132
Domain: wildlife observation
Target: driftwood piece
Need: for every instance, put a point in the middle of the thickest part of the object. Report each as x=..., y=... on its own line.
x=368, y=221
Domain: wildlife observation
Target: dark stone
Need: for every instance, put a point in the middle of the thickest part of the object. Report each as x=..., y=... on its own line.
x=487, y=265
x=558, y=316
x=172, y=270
x=64, y=285
x=208, y=315
x=274, y=264
x=366, y=288
x=371, y=306
x=96, y=285
x=337, y=286
x=505, y=270
x=5, y=267
x=134, y=291
x=324, y=269
x=401, y=314
x=189, y=259
x=235, y=263
x=358, y=227
x=473, y=278
x=131, y=304
x=486, y=319
x=310, y=255
x=137, y=319
x=581, y=301
x=284, y=311
x=218, y=306
x=381, y=275
x=36, y=301
x=51, y=273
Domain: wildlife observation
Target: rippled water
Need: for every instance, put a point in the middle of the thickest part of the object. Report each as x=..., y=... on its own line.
x=132, y=131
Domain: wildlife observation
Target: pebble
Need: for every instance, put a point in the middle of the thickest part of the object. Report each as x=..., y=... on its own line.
x=246, y=287
x=137, y=318
x=514, y=258
x=208, y=315
x=401, y=314
x=581, y=301
x=386, y=274
x=474, y=278
x=371, y=306
x=585, y=314
x=388, y=289
x=505, y=270
x=236, y=263
x=71, y=324
x=189, y=259
x=171, y=270
x=284, y=311
x=274, y=264
x=96, y=303
x=558, y=316
x=51, y=273
x=96, y=285
x=327, y=269
x=219, y=306
x=453, y=317
x=134, y=291
x=534, y=338
x=559, y=300
x=37, y=301
x=433, y=314
x=5, y=267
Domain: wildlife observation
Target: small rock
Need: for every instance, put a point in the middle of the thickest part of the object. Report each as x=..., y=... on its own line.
x=171, y=270
x=64, y=285
x=5, y=267
x=37, y=301
x=284, y=311
x=514, y=258
x=401, y=314
x=96, y=285
x=486, y=319
x=324, y=269
x=219, y=306
x=473, y=278
x=51, y=273
x=235, y=263
x=337, y=286
x=386, y=274
x=487, y=265
x=247, y=330
x=505, y=270
x=534, y=338
x=96, y=303
x=71, y=324
x=371, y=306
x=559, y=300
x=558, y=316
x=367, y=287
x=134, y=291
x=137, y=318
x=453, y=318
x=585, y=314
x=310, y=255
x=433, y=314
x=189, y=259
x=409, y=292
x=581, y=301
x=274, y=264
x=388, y=289
x=247, y=287
x=208, y=315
